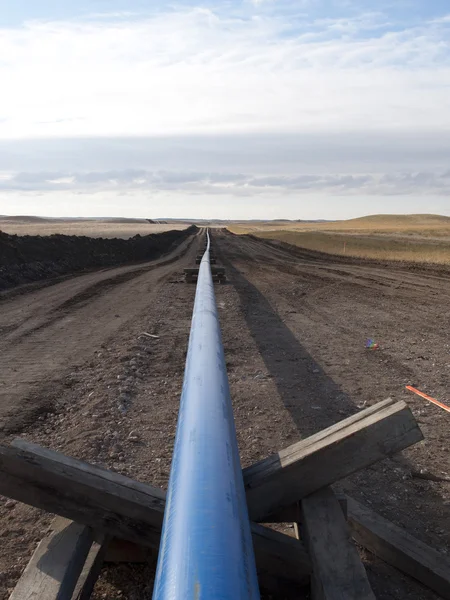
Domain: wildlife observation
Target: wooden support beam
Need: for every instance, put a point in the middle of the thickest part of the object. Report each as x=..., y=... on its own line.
x=214, y=271
x=114, y=504
x=277, y=553
x=338, y=573
x=55, y=566
x=91, y=570
x=218, y=274
x=324, y=458
x=292, y=514
x=87, y=494
x=274, y=551
x=400, y=549
x=198, y=260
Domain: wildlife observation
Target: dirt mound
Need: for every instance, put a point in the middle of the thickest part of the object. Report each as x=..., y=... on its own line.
x=25, y=259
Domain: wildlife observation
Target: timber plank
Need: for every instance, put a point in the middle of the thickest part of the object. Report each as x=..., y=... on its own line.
x=278, y=553
x=398, y=548
x=91, y=569
x=292, y=514
x=84, y=493
x=112, y=503
x=332, y=454
x=56, y=564
x=195, y=270
x=80, y=465
x=338, y=573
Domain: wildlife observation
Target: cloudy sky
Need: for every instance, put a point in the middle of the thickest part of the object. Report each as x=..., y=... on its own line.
x=233, y=109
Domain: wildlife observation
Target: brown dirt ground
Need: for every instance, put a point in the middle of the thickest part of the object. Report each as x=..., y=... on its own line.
x=294, y=330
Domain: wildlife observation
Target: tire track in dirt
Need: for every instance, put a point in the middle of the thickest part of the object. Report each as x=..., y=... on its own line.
x=310, y=320
x=72, y=317
x=88, y=293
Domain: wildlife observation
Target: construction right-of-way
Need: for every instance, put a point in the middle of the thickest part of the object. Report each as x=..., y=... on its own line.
x=294, y=485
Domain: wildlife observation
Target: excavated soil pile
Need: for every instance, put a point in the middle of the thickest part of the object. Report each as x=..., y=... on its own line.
x=25, y=259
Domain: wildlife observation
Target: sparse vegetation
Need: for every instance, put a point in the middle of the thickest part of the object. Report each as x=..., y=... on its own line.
x=106, y=228
x=415, y=238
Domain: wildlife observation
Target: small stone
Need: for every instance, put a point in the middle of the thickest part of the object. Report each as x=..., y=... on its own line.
x=10, y=504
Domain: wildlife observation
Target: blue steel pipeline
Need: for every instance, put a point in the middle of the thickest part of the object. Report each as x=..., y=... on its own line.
x=206, y=550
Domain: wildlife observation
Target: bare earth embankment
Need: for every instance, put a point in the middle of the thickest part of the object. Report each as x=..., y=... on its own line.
x=30, y=258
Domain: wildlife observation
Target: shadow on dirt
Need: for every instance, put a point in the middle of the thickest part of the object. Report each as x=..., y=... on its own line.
x=315, y=401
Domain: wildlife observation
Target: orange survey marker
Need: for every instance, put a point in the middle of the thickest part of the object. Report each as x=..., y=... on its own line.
x=433, y=400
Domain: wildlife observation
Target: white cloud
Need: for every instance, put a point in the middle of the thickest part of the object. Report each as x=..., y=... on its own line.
x=239, y=184
x=199, y=71
x=443, y=19
x=260, y=2
x=266, y=109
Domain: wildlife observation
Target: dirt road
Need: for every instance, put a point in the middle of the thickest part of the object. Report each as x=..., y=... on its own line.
x=46, y=332
x=294, y=329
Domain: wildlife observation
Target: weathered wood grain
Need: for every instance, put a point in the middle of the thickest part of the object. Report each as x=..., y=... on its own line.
x=91, y=569
x=55, y=566
x=338, y=573
x=292, y=514
x=87, y=494
x=114, y=504
x=398, y=548
x=324, y=458
x=278, y=553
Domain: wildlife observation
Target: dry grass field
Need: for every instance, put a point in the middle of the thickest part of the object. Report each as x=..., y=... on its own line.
x=106, y=228
x=416, y=238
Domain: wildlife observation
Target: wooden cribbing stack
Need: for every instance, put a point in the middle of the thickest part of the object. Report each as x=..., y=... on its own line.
x=101, y=508
x=218, y=273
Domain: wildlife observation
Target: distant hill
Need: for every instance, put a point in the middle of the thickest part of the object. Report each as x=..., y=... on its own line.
x=21, y=219
x=236, y=221
x=368, y=222
x=24, y=219
x=399, y=220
